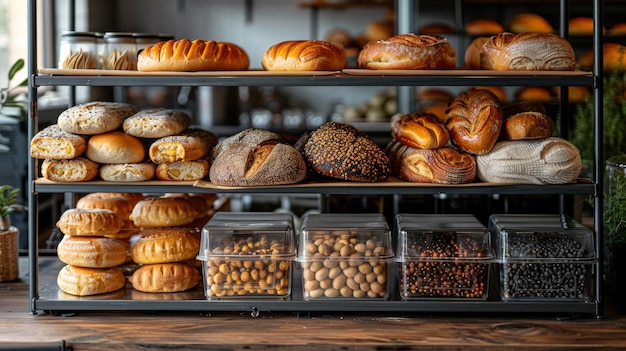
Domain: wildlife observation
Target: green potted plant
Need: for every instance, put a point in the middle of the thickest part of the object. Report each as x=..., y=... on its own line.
x=12, y=104
x=615, y=222
x=9, y=234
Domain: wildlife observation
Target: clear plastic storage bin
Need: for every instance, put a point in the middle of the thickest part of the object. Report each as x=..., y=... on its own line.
x=345, y=256
x=442, y=256
x=247, y=254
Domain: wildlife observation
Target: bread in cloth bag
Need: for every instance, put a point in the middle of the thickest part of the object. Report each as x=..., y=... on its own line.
x=551, y=160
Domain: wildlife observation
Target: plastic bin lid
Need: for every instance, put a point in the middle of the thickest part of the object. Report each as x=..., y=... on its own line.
x=465, y=222
x=546, y=244
x=337, y=221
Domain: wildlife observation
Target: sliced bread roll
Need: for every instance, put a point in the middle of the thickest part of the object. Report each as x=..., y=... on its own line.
x=183, y=170
x=78, y=169
x=54, y=143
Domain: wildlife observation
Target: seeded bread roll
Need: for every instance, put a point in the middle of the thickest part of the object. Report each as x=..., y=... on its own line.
x=82, y=281
x=153, y=212
x=156, y=123
x=54, y=143
x=304, y=55
x=92, y=252
x=94, y=117
x=192, y=144
x=89, y=222
x=115, y=147
x=419, y=130
x=79, y=169
x=183, y=170
x=192, y=55
x=165, y=277
x=164, y=246
x=128, y=172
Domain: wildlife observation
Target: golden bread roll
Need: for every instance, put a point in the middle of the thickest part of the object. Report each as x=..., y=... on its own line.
x=92, y=252
x=79, y=169
x=128, y=172
x=133, y=198
x=527, y=125
x=128, y=229
x=580, y=25
x=529, y=22
x=304, y=55
x=94, y=117
x=192, y=144
x=445, y=165
x=433, y=94
x=201, y=203
x=153, y=212
x=83, y=281
x=117, y=203
x=408, y=51
x=377, y=30
x=183, y=170
x=341, y=151
x=483, y=26
x=472, y=53
x=618, y=29
x=527, y=52
x=163, y=246
x=156, y=123
x=165, y=277
x=115, y=147
x=498, y=91
x=89, y=222
x=613, y=58
x=340, y=37
x=54, y=143
x=419, y=130
x=192, y=55
x=474, y=121
x=438, y=109
x=523, y=106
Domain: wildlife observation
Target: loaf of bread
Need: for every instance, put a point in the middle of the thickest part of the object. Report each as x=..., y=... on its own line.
x=529, y=22
x=445, y=165
x=156, y=123
x=116, y=203
x=580, y=25
x=84, y=281
x=203, y=203
x=183, y=170
x=128, y=172
x=192, y=55
x=79, y=169
x=483, y=26
x=408, y=51
x=164, y=277
x=164, y=246
x=419, y=130
x=95, y=117
x=89, y=222
x=526, y=120
x=255, y=157
x=115, y=147
x=154, y=212
x=192, y=144
x=92, y=252
x=472, y=53
x=474, y=121
x=341, y=151
x=304, y=55
x=54, y=143
x=527, y=52
x=534, y=93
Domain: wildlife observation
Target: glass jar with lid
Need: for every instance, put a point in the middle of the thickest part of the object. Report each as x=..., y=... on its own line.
x=77, y=50
x=144, y=40
x=120, y=51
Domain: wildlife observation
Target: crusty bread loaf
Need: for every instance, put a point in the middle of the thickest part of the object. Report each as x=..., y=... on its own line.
x=529, y=22
x=419, y=130
x=183, y=170
x=474, y=121
x=408, y=51
x=192, y=144
x=117, y=203
x=527, y=125
x=163, y=246
x=156, y=123
x=92, y=252
x=304, y=55
x=115, y=147
x=153, y=212
x=527, y=52
x=54, y=143
x=445, y=165
x=472, y=53
x=128, y=172
x=89, y=222
x=341, y=151
x=192, y=55
x=83, y=281
x=94, y=117
x=79, y=169
x=164, y=277
x=483, y=26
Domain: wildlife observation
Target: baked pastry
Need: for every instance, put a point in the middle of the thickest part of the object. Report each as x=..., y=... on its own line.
x=84, y=281
x=128, y=172
x=183, y=170
x=341, y=151
x=527, y=52
x=54, y=143
x=156, y=123
x=483, y=26
x=304, y=55
x=445, y=165
x=472, y=53
x=529, y=22
x=92, y=252
x=164, y=277
x=192, y=55
x=527, y=125
x=437, y=109
x=203, y=203
x=79, y=169
x=474, y=121
x=419, y=130
x=256, y=157
x=89, y=222
x=190, y=145
x=163, y=246
x=540, y=161
x=408, y=51
x=133, y=198
x=95, y=117
x=115, y=147
x=116, y=203
x=154, y=212
x=497, y=90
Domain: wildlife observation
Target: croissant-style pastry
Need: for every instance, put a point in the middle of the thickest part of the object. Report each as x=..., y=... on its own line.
x=419, y=130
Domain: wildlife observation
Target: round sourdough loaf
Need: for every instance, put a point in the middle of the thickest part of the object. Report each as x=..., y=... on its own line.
x=95, y=117
x=92, y=252
x=84, y=281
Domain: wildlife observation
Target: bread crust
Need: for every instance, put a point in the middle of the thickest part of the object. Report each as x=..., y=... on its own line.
x=163, y=246
x=54, y=143
x=79, y=169
x=304, y=55
x=408, y=51
x=89, y=222
x=419, y=130
x=193, y=55
x=118, y=204
x=95, y=117
x=156, y=123
x=92, y=252
x=192, y=144
x=472, y=53
x=83, y=281
x=115, y=147
x=527, y=125
x=128, y=172
x=154, y=212
x=165, y=277
x=183, y=170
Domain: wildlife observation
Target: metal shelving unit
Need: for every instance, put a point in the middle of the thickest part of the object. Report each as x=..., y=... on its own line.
x=47, y=298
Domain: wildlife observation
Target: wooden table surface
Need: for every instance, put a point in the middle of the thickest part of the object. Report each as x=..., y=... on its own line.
x=287, y=331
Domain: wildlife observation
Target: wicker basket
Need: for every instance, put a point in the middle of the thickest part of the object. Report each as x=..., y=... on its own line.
x=8, y=254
